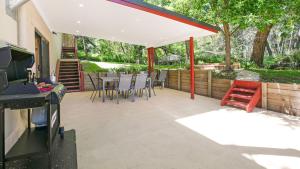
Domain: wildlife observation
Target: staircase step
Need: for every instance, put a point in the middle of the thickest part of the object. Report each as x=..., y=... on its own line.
x=68, y=76
x=74, y=86
x=67, y=83
x=68, y=70
x=243, y=90
x=68, y=79
x=236, y=104
x=68, y=63
x=240, y=96
x=68, y=67
x=70, y=91
x=76, y=72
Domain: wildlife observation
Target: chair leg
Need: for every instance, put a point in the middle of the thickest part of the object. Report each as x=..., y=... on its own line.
x=92, y=94
x=95, y=96
x=133, y=95
x=117, y=96
x=112, y=95
x=153, y=91
x=147, y=94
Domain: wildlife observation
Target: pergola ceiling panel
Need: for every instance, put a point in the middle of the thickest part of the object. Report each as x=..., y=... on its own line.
x=112, y=21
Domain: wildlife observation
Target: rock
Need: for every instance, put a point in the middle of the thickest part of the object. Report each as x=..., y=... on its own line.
x=247, y=76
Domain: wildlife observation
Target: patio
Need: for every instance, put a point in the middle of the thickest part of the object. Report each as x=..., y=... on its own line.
x=171, y=131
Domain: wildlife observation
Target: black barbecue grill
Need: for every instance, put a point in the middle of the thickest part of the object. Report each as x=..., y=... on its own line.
x=17, y=91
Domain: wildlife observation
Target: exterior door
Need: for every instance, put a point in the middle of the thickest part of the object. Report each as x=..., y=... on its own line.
x=44, y=59
x=42, y=56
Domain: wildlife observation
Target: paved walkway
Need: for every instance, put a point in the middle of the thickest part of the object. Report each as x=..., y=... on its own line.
x=170, y=131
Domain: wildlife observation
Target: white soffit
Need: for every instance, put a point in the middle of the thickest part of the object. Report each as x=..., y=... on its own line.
x=112, y=21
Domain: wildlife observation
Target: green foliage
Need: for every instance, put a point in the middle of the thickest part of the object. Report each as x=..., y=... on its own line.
x=131, y=69
x=209, y=59
x=102, y=50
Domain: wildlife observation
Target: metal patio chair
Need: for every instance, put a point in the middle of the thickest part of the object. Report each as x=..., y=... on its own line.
x=153, y=79
x=110, y=86
x=96, y=88
x=162, y=78
x=140, y=85
x=124, y=85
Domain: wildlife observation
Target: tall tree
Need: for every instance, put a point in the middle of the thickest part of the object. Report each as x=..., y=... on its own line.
x=266, y=14
x=227, y=15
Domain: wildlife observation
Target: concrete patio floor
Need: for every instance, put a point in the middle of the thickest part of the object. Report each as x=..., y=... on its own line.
x=170, y=131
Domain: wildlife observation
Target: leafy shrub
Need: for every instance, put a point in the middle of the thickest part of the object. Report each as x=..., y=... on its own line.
x=222, y=74
x=209, y=59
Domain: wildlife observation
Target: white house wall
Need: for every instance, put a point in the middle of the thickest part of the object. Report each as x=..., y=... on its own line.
x=29, y=21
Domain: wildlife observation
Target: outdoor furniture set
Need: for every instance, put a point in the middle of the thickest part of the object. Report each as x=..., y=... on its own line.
x=126, y=85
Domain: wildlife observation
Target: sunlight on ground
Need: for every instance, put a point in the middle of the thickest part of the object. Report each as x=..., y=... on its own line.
x=235, y=127
x=272, y=140
x=107, y=65
x=275, y=162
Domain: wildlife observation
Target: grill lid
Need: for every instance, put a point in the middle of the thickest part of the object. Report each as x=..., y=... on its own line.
x=15, y=61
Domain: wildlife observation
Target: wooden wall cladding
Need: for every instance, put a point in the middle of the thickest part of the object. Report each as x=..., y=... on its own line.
x=284, y=98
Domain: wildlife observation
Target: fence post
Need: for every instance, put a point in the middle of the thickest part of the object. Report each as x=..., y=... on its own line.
x=209, y=83
x=264, y=103
x=178, y=79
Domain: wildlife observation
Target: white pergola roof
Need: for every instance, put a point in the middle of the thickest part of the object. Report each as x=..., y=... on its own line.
x=129, y=21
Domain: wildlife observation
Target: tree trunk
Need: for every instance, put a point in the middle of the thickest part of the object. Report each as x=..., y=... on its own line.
x=84, y=47
x=227, y=46
x=259, y=45
x=269, y=49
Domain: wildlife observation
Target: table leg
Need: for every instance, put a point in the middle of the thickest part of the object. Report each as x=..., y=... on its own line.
x=150, y=86
x=2, y=137
x=29, y=119
x=103, y=89
x=49, y=117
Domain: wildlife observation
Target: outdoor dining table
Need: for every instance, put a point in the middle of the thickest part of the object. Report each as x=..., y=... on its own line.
x=105, y=80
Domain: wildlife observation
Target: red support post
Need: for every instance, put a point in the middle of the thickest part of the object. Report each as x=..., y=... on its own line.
x=192, y=72
x=151, y=59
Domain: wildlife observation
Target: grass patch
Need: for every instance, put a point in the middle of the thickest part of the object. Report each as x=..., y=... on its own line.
x=278, y=76
x=90, y=67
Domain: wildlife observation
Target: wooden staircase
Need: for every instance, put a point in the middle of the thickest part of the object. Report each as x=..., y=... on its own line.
x=69, y=74
x=243, y=94
x=69, y=52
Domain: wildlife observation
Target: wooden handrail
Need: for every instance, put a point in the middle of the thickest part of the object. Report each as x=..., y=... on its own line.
x=57, y=69
x=81, y=76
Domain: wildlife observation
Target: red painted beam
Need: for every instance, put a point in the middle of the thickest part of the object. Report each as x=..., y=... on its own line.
x=163, y=14
x=192, y=71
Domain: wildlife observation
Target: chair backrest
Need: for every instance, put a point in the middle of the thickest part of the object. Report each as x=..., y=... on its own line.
x=162, y=75
x=111, y=74
x=153, y=76
x=91, y=79
x=125, y=82
x=140, y=81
